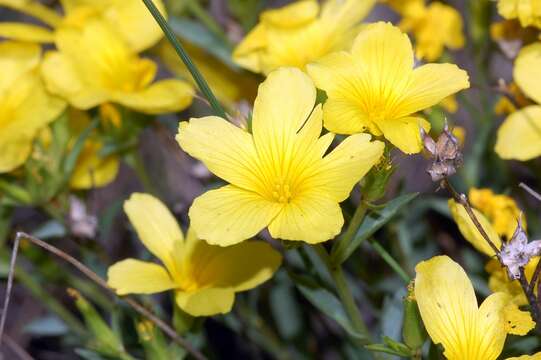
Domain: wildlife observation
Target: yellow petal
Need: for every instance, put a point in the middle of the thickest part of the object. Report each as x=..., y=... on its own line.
x=336, y=74
x=25, y=32
x=225, y=149
x=62, y=79
x=517, y=322
x=345, y=13
x=132, y=276
x=405, y=133
x=449, y=311
x=161, y=97
x=491, y=329
x=206, y=302
x=25, y=109
x=294, y=14
x=239, y=267
x=386, y=57
x=229, y=215
x=134, y=22
x=470, y=232
x=283, y=103
x=16, y=59
x=312, y=217
x=430, y=84
x=92, y=170
x=527, y=71
x=248, y=53
x=519, y=137
x=155, y=225
x=346, y=165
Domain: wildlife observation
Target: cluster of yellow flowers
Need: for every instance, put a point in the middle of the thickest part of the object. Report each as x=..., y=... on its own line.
x=96, y=63
x=283, y=174
x=519, y=137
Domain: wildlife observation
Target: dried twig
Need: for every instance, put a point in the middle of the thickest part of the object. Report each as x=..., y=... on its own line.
x=9, y=286
x=98, y=280
x=531, y=191
x=463, y=200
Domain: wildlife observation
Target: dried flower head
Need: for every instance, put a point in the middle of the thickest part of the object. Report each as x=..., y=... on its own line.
x=517, y=252
x=445, y=152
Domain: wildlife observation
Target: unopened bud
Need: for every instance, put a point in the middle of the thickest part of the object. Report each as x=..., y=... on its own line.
x=413, y=330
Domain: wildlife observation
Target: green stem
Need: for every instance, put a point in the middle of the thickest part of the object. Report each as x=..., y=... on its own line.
x=201, y=82
x=390, y=261
x=343, y=242
x=346, y=297
x=199, y=12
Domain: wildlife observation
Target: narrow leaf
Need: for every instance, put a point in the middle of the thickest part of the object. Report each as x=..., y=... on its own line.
x=327, y=303
x=371, y=224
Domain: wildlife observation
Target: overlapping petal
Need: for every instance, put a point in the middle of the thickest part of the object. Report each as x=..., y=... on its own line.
x=229, y=215
x=155, y=225
x=206, y=302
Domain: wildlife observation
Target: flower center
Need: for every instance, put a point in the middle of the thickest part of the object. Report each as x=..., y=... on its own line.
x=281, y=192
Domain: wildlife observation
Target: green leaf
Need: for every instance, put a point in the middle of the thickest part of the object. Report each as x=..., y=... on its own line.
x=285, y=309
x=328, y=304
x=370, y=225
x=385, y=349
x=49, y=325
x=198, y=35
x=104, y=339
x=15, y=192
x=50, y=229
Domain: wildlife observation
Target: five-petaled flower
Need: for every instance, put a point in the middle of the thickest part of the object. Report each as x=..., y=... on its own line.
x=375, y=87
x=205, y=277
x=279, y=175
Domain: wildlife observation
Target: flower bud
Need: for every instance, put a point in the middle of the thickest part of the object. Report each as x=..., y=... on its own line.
x=413, y=330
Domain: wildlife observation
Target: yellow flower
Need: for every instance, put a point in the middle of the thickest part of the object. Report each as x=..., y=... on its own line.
x=375, y=87
x=278, y=175
x=130, y=18
x=25, y=106
x=205, y=277
x=449, y=310
x=528, y=12
x=434, y=27
x=93, y=65
x=519, y=137
x=228, y=85
x=501, y=210
x=300, y=33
